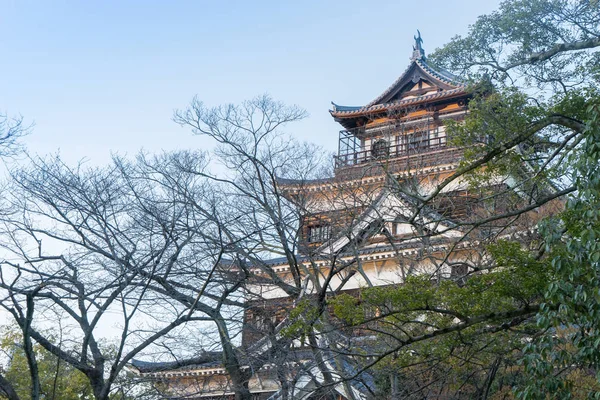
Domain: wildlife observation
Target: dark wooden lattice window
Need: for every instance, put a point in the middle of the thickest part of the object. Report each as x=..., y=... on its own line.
x=458, y=273
x=318, y=233
x=381, y=149
x=419, y=140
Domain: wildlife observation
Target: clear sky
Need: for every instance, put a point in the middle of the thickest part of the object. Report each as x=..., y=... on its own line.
x=105, y=76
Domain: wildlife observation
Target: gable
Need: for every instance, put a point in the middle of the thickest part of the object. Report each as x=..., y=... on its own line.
x=412, y=89
x=419, y=79
x=387, y=208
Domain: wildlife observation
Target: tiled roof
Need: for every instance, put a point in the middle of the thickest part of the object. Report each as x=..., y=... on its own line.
x=346, y=108
x=427, y=212
x=400, y=103
x=209, y=359
x=443, y=76
x=285, y=181
x=456, y=86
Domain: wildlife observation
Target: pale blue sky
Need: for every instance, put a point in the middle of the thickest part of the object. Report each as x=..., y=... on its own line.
x=102, y=76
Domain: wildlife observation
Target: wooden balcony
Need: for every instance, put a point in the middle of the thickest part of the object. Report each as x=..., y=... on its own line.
x=381, y=151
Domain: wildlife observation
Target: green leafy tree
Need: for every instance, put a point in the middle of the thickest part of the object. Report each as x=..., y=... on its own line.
x=451, y=338
x=58, y=380
x=570, y=315
x=534, y=118
x=542, y=58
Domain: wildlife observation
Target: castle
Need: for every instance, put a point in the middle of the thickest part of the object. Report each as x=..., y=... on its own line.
x=357, y=228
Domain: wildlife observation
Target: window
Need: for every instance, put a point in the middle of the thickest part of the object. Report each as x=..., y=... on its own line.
x=318, y=233
x=264, y=323
x=381, y=149
x=418, y=140
x=436, y=139
x=401, y=228
x=458, y=273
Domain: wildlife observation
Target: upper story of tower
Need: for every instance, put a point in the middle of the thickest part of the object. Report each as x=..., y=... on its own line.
x=402, y=134
x=407, y=119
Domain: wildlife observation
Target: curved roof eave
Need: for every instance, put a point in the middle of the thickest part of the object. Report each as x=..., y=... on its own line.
x=461, y=90
x=443, y=77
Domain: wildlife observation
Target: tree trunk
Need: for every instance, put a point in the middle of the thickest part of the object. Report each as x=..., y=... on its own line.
x=239, y=378
x=394, y=385
x=29, y=352
x=242, y=392
x=8, y=389
x=100, y=389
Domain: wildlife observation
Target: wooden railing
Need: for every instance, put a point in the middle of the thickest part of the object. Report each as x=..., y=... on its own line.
x=381, y=151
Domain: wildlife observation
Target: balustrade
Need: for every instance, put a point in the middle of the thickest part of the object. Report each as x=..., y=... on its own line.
x=383, y=150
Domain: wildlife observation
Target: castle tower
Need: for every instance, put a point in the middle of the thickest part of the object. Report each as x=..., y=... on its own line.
x=394, y=147
x=399, y=137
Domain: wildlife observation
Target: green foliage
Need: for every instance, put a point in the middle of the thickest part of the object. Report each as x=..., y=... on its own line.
x=541, y=56
x=518, y=131
x=495, y=119
x=58, y=380
x=303, y=318
x=532, y=126
x=556, y=361
x=517, y=280
x=403, y=316
x=510, y=45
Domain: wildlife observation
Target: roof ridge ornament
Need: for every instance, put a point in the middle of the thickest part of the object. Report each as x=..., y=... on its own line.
x=418, y=52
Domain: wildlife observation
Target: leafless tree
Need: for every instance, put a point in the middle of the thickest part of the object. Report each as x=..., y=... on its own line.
x=183, y=243
x=88, y=245
x=153, y=245
x=271, y=214
x=12, y=129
